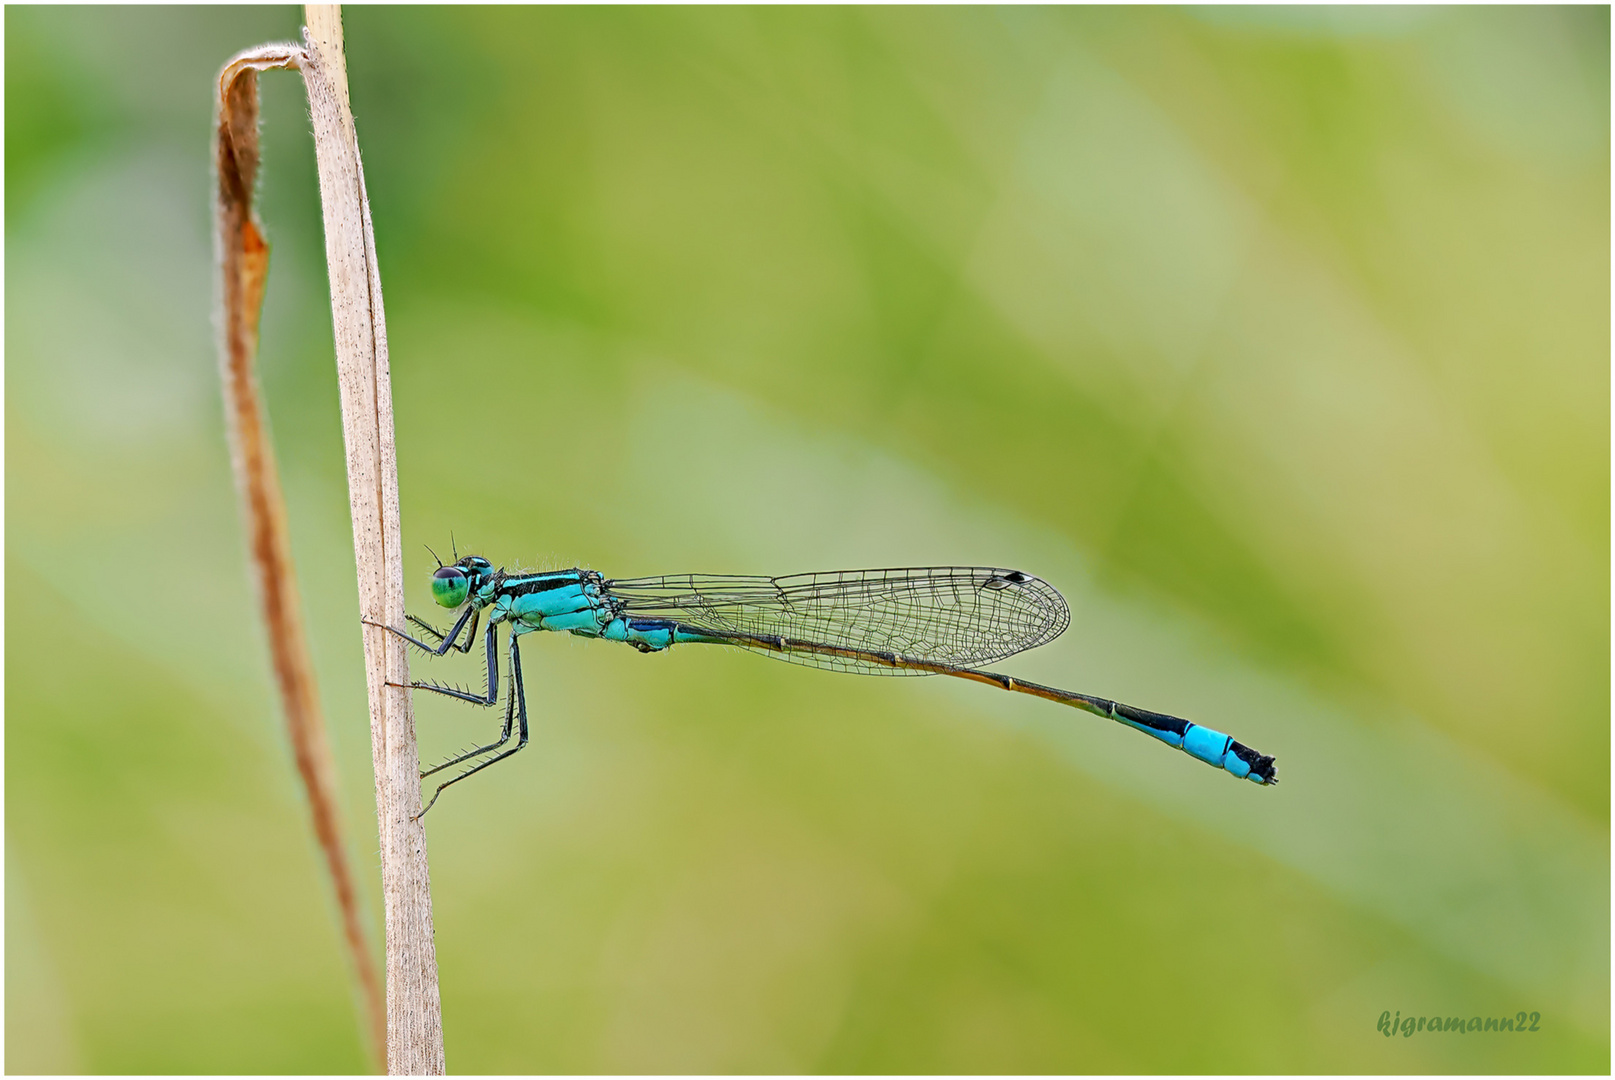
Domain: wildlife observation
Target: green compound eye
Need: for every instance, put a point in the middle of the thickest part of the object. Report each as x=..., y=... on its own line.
x=449, y=586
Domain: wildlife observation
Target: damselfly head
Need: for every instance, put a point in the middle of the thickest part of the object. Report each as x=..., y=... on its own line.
x=452, y=584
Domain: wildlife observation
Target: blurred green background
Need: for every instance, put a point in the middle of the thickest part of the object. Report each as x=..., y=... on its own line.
x=1277, y=339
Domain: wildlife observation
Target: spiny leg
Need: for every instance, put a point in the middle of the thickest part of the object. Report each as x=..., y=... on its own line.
x=471, y=614
x=445, y=642
x=465, y=695
x=519, y=699
x=470, y=636
x=504, y=737
x=436, y=634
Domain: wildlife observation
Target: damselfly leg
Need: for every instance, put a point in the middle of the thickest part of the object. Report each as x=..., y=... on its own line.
x=447, y=643
x=515, y=706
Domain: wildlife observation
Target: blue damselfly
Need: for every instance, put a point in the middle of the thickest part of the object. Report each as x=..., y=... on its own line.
x=935, y=620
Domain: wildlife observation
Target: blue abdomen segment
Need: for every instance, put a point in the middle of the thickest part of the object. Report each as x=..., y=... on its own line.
x=1212, y=747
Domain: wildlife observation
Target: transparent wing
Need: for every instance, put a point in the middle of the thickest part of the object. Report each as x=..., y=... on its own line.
x=960, y=615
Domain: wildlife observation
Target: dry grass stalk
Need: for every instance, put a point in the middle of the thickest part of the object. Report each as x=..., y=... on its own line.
x=244, y=262
x=414, y=1016
x=410, y=1025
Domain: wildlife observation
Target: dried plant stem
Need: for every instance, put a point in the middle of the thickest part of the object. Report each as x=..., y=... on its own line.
x=410, y=1026
x=414, y=1021
x=243, y=263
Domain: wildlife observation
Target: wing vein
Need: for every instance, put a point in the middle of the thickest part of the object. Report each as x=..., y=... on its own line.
x=956, y=615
